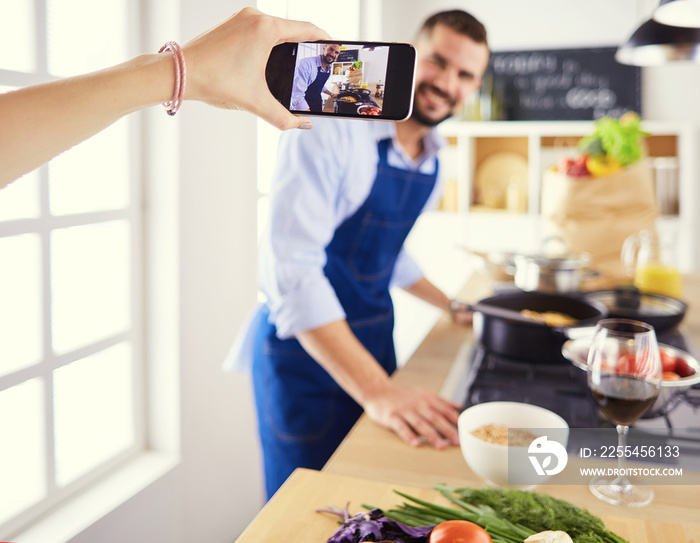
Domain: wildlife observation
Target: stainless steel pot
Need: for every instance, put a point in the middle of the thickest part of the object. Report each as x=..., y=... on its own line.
x=555, y=270
x=554, y=275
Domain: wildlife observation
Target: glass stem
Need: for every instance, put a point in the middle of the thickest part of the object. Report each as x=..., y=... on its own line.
x=621, y=479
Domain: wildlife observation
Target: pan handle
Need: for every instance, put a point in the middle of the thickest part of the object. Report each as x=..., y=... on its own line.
x=493, y=311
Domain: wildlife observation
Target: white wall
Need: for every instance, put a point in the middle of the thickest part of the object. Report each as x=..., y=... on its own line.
x=376, y=64
x=221, y=486
x=512, y=24
x=668, y=92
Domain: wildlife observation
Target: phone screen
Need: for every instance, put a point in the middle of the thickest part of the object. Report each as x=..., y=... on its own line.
x=367, y=80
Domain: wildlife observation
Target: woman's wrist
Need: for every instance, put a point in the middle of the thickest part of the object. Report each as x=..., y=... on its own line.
x=180, y=67
x=147, y=79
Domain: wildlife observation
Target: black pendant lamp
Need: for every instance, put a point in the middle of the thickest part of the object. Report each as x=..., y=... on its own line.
x=654, y=44
x=684, y=13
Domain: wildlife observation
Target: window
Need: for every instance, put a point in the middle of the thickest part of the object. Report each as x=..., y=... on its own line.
x=70, y=279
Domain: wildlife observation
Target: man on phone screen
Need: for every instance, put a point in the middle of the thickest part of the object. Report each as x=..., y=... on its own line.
x=344, y=197
x=310, y=77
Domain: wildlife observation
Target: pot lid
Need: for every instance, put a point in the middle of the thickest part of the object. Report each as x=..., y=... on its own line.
x=660, y=311
x=568, y=262
x=555, y=254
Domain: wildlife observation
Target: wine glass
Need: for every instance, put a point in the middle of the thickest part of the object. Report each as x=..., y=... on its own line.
x=624, y=377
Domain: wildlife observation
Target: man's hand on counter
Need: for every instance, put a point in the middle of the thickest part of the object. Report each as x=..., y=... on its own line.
x=415, y=414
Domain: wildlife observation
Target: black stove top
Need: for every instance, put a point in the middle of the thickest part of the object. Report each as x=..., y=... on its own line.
x=561, y=388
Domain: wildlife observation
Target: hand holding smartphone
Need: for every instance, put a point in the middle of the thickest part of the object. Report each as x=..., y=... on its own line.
x=362, y=80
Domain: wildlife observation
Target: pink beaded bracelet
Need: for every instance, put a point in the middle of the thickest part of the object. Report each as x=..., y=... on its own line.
x=180, y=77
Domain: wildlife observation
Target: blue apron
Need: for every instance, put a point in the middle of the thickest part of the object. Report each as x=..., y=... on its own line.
x=303, y=414
x=313, y=91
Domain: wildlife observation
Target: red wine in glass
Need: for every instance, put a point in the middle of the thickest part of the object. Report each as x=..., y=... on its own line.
x=624, y=377
x=623, y=398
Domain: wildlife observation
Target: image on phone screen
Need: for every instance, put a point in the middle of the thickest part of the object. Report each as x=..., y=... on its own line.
x=371, y=80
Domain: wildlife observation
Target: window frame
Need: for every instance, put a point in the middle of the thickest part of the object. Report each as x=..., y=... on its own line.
x=134, y=216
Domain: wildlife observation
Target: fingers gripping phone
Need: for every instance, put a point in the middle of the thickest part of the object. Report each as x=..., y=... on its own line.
x=363, y=80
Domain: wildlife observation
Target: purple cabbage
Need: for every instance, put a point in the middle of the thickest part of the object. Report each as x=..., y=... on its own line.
x=374, y=526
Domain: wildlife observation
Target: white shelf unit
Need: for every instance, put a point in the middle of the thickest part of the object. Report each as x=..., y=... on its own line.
x=542, y=143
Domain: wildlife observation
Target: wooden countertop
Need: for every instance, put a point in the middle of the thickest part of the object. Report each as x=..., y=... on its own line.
x=372, y=461
x=291, y=516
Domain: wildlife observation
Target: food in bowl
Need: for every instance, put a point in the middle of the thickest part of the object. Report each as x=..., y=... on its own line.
x=369, y=110
x=678, y=367
x=680, y=372
x=499, y=434
x=674, y=366
x=501, y=465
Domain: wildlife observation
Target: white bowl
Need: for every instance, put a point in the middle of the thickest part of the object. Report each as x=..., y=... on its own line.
x=503, y=465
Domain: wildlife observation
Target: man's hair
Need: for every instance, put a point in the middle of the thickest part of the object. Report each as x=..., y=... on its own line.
x=459, y=21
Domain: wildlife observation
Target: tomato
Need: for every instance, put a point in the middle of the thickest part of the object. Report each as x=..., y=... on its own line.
x=683, y=369
x=670, y=376
x=626, y=364
x=668, y=361
x=459, y=531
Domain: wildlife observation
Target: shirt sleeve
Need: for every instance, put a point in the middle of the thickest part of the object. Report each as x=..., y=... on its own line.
x=406, y=270
x=303, y=218
x=302, y=80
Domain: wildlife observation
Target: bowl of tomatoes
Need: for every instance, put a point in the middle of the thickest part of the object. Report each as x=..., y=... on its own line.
x=680, y=371
x=370, y=110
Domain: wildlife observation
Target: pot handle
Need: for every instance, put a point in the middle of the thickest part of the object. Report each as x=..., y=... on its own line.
x=509, y=263
x=588, y=273
x=630, y=252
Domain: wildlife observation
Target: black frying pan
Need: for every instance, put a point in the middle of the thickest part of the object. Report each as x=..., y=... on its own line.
x=532, y=341
x=661, y=312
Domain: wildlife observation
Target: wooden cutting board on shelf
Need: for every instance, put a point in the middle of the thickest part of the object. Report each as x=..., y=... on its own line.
x=291, y=516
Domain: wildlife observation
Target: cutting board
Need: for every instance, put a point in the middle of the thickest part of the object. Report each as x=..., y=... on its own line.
x=291, y=516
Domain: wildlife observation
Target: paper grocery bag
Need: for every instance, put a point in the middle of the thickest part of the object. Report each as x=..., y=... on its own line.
x=354, y=76
x=596, y=214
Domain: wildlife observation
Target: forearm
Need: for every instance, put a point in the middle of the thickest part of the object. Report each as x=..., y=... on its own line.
x=428, y=292
x=412, y=412
x=349, y=363
x=42, y=121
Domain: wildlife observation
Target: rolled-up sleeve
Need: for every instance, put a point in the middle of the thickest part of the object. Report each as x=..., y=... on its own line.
x=303, y=220
x=406, y=271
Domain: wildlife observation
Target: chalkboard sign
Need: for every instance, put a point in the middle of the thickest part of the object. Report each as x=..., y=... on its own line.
x=349, y=55
x=562, y=84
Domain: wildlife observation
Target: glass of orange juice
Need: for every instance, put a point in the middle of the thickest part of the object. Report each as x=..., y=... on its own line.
x=657, y=278
x=652, y=263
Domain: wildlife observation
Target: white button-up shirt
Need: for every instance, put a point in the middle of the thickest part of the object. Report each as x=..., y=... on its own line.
x=305, y=73
x=322, y=177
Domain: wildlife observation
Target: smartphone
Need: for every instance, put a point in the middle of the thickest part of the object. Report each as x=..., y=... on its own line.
x=362, y=80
